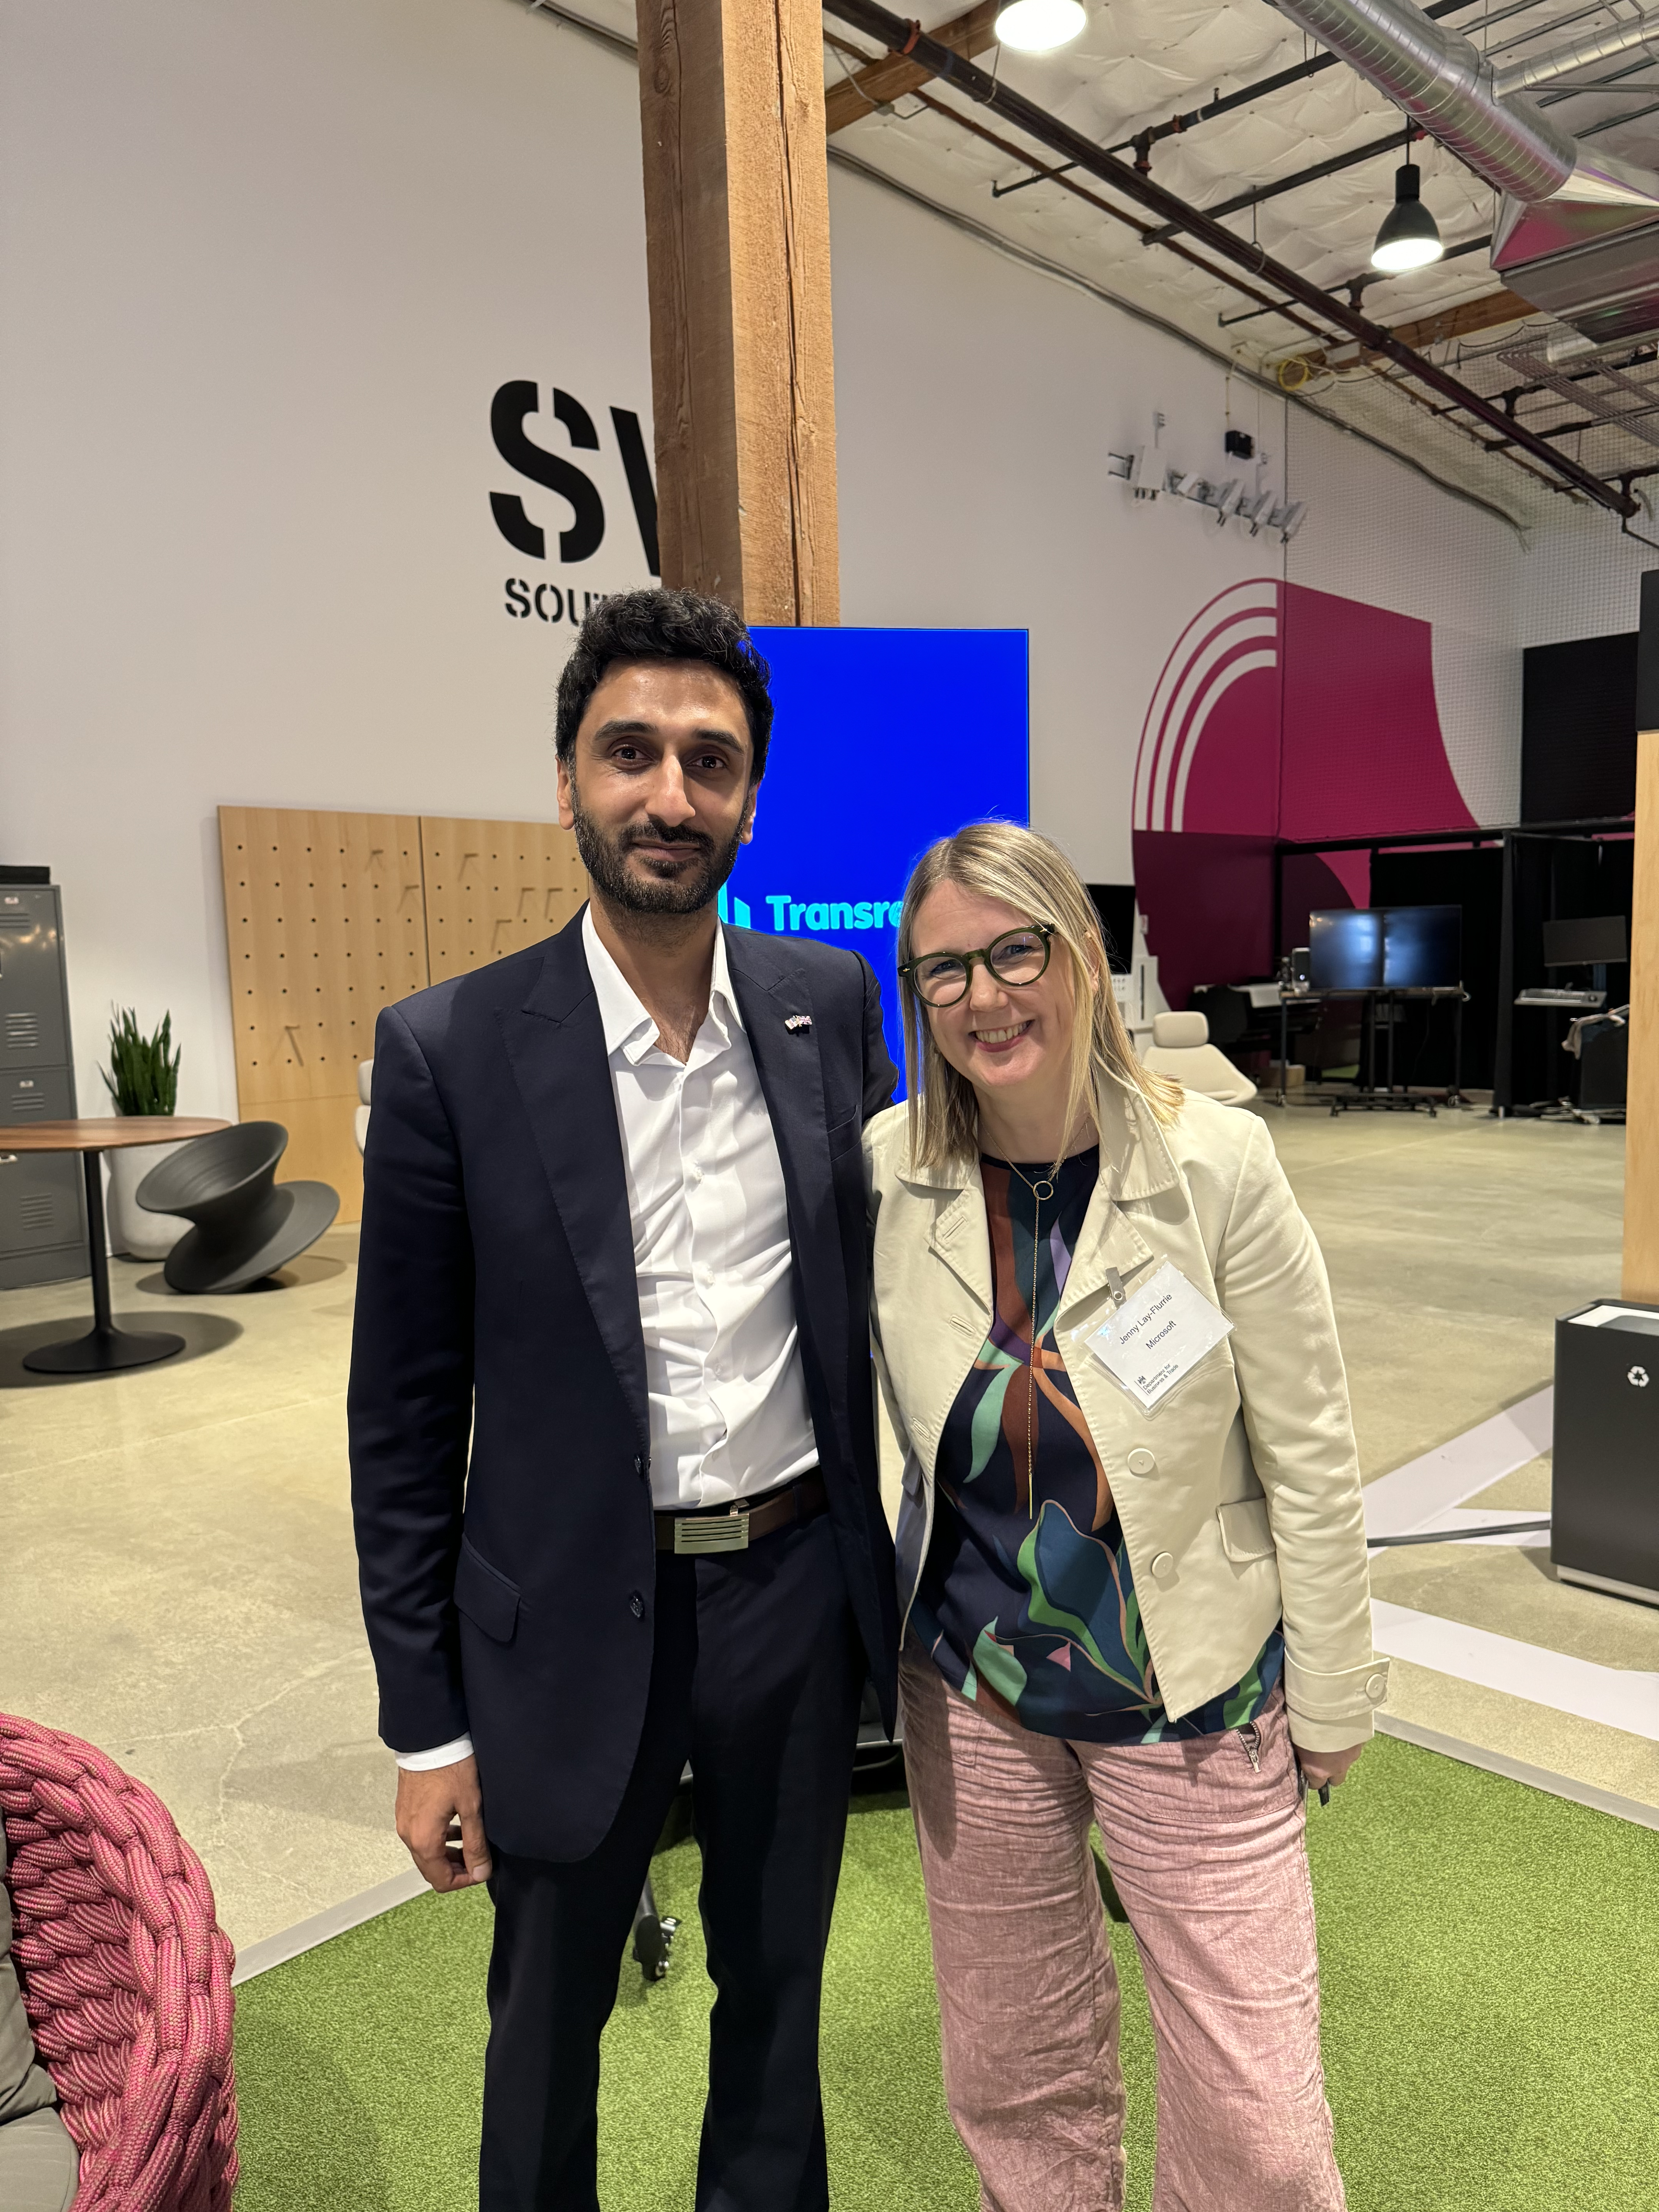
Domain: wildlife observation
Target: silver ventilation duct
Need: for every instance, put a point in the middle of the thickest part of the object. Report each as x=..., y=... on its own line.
x=1578, y=235
x=1442, y=81
x=1577, y=53
x=1594, y=268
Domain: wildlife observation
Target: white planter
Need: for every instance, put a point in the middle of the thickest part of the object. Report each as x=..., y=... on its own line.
x=140, y=1235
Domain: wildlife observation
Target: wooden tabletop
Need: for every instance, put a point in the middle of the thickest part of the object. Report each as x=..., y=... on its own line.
x=110, y=1132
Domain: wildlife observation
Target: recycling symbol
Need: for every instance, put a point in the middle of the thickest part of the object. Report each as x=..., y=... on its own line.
x=1638, y=1376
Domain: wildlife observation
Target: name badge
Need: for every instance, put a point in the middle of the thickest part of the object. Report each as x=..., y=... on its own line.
x=1158, y=1335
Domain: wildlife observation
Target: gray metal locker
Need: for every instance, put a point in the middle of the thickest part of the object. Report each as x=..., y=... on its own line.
x=42, y=1209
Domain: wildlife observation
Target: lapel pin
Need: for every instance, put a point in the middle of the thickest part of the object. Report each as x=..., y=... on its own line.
x=798, y=1021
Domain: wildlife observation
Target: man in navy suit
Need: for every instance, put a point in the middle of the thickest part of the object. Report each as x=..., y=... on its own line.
x=612, y=1446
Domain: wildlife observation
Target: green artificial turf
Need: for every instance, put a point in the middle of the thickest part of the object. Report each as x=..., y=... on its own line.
x=1491, y=1961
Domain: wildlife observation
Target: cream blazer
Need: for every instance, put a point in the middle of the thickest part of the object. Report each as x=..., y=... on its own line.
x=1239, y=1492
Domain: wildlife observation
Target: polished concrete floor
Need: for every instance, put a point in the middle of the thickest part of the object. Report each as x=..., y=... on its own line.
x=176, y=1573
x=177, y=1581
x=1452, y=1245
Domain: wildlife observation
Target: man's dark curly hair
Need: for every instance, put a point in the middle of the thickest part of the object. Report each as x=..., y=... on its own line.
x=662, y=625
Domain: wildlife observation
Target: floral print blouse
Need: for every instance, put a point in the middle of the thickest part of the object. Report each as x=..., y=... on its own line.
x=1026, y=1599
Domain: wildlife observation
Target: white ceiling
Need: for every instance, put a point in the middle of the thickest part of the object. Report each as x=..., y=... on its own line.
x=1139, y=61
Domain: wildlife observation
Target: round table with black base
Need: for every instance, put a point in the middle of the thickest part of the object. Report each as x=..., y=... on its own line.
x=105, y=1349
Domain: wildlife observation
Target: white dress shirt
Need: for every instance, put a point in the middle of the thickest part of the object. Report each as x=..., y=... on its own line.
x=711, y=1256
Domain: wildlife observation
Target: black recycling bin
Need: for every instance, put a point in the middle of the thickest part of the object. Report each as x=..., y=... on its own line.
x=1604, y=1504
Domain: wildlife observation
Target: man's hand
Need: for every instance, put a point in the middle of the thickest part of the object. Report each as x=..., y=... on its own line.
x=441, y=1818
x=1318, y=1767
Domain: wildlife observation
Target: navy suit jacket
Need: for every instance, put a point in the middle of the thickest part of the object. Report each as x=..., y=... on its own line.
x=498, y=1411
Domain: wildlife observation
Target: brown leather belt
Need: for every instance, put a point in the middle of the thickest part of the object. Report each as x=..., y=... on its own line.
x=736, y=1527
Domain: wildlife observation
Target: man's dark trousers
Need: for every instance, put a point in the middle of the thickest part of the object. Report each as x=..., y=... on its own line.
x=756, y=1677
x=513, y=1591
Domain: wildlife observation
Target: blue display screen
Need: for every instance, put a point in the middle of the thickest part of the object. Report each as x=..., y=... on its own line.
x=1393, y=948
x=1344, y=949
x=884, y=739
x=1422, y=947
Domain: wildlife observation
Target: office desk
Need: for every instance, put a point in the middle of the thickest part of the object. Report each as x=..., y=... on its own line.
x=1369, y=1098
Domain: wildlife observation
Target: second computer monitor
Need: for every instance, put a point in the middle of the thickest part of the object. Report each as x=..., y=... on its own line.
x=1422, y=947
x=1596, y=941
x=1396, y=948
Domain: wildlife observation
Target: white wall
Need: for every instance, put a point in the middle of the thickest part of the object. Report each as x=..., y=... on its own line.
x=977, y=401
x=1583, y=578
x=264, y=269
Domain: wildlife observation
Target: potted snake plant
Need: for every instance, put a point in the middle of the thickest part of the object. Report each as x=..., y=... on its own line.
x=142, y=1078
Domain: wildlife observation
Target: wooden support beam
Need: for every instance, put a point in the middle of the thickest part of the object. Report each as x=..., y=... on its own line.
x=1464, y=318
x=737, y=213
x=889, y=79
x=1460, y=320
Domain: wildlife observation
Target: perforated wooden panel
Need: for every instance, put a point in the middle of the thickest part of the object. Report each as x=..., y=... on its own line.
x=493, y=886
x=326, y=925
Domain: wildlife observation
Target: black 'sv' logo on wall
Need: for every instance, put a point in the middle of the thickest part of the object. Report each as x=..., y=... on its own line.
x=508, y=410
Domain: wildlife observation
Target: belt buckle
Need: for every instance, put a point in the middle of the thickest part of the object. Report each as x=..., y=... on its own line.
x=713, y=1532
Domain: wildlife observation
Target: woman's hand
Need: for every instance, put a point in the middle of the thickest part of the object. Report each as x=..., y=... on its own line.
x=1321, y=1767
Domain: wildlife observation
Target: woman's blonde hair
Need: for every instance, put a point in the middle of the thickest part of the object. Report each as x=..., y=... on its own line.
x=1030, y=874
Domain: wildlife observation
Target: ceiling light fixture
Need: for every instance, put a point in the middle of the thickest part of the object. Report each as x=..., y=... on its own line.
x=1410, y=236
x=1037, y=27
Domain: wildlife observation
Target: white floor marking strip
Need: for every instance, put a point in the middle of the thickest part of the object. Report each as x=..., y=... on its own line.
x=1422, y=1493
x=306, y=1934
x=1517, y=1770
x=1617, y=1697
x=1426, y=1492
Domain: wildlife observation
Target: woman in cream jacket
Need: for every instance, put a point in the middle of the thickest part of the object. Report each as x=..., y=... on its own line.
x=1152, y=1617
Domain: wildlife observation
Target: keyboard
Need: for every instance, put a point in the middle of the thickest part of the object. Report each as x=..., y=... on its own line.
x=1584, y=1002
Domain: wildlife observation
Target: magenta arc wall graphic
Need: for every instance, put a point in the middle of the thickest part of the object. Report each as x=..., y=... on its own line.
x=1281, y=712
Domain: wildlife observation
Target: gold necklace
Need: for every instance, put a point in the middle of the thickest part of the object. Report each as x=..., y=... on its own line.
x=1041, y=1190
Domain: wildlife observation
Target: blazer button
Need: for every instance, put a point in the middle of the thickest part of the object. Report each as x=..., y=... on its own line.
x=636, y=1606
x=1164, y=1567
x=1141, y=1462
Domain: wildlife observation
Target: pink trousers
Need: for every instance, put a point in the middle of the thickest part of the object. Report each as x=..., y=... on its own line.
x=1203, y=1839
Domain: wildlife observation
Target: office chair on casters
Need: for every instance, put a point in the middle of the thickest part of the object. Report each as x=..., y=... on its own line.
x=653, y=1936
x=876, y=1762
x=1601, y=1045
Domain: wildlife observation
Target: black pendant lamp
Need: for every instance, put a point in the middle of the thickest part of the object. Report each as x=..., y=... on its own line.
x=1410, y=237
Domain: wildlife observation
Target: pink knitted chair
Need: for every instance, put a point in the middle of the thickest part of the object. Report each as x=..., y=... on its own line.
x=125, y=1976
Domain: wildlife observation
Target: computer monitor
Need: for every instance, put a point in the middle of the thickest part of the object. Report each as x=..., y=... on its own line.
x=1422, y=947
x=1116, y=905
x=1597, y=941
x=1344, y=949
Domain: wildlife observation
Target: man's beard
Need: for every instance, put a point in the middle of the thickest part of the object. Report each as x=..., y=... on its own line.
x=605, y=856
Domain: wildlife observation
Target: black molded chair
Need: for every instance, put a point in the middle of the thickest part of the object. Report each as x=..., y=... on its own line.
x=246, y=1224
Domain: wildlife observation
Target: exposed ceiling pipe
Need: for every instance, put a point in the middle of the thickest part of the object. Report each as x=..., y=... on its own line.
x=897, y=35
x=1443, y=81
x=1141, y=143
x=1575, y=53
